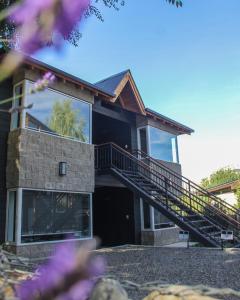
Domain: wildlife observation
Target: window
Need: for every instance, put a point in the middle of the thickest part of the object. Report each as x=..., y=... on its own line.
x=146, y=215
x=54, y=113
x=11, y=216
x=163, y=145
x=18, y=96
x=49, y=216
x=152, y=219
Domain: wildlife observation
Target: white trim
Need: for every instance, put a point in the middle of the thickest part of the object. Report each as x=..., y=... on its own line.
x=142, y=217
x=18, y=217
x=147, y=138
x=13, y=104
x=7, y=214
x=55, y=135
x=24, y=103
x=152, y=218
x=91, y=215
x=56, y=242
x=160, y=229
x=58, y=191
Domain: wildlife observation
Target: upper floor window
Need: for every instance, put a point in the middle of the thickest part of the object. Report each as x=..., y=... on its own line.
x=163, y=145
x=159, y=144
x=57, y=114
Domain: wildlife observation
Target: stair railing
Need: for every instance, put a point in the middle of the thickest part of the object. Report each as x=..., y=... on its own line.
x=194, y=189
x=112, y=156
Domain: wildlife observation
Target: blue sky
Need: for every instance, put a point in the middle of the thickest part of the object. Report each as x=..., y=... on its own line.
x=186, y=63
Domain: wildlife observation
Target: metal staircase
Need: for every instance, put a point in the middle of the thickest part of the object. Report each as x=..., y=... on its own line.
x=185, y=203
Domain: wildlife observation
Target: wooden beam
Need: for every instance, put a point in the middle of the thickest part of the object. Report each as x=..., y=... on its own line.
x=122, y=102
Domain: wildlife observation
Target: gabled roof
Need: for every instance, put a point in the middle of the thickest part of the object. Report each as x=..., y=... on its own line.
x=111, y=83
x=123, y=83
x=224, y=187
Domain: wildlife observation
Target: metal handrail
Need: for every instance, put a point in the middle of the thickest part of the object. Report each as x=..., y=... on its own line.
x=112, y=161
x=188, y=181
x=195, y=198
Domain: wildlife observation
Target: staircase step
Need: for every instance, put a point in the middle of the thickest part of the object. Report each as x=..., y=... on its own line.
x=190, y=217
x=197, y=222
x=206, y=228
x=215, y=233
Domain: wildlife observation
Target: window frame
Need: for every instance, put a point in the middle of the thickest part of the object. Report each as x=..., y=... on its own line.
x=148, y=138
x=152, y=219
x=23, y=113
x=18, y=221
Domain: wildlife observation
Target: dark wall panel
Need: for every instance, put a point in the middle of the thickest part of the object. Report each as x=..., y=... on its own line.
x=5, y=92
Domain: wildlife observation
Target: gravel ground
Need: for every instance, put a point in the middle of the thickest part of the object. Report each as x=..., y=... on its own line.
x=194, y=266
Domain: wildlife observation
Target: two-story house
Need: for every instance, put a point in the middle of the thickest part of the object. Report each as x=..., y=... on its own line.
x=54, y=184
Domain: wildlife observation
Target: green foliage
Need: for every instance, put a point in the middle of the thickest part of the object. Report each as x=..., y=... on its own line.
x=65, y=121
x=237, y=194
x=221, y=176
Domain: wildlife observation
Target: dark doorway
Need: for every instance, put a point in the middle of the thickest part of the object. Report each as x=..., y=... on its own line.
x=113, y=216
x=106, y=129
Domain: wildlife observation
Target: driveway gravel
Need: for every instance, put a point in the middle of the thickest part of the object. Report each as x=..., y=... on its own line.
x=193, y=266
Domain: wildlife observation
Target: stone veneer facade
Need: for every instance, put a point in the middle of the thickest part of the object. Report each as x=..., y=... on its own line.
x=33, y=162
x=40, y=250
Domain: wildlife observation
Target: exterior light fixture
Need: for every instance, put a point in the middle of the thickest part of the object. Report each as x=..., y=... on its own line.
x=62, y=168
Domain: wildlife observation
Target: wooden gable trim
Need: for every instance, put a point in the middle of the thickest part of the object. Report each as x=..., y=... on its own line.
x=120, y=87
x=128, y=78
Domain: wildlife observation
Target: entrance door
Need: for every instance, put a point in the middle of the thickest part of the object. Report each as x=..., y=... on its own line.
x=113, y=216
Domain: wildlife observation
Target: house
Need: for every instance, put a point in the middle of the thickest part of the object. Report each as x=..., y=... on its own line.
x=91, y=160
x=226, y=191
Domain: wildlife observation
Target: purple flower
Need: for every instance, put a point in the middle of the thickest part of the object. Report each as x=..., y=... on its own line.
x=39, y=20
x=69, y=275
x=43, y=83
x=70, y=15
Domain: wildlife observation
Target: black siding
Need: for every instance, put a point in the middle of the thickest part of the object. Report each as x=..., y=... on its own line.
x=5, y=92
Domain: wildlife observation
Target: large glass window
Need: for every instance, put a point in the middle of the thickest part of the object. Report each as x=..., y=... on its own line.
x=163, y=145
x=48, y=216
x=53, y=112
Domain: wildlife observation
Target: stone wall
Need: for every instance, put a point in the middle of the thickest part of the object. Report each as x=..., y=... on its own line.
x=161, y=237
x=33, y=162
x=39, y=250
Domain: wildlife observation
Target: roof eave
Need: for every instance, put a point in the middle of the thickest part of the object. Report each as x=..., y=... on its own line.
x=45, y=67
x=182, y=129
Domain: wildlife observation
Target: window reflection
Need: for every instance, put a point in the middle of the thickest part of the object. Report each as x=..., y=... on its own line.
x=163, y=145
x=50, y=216
x=58, y=114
